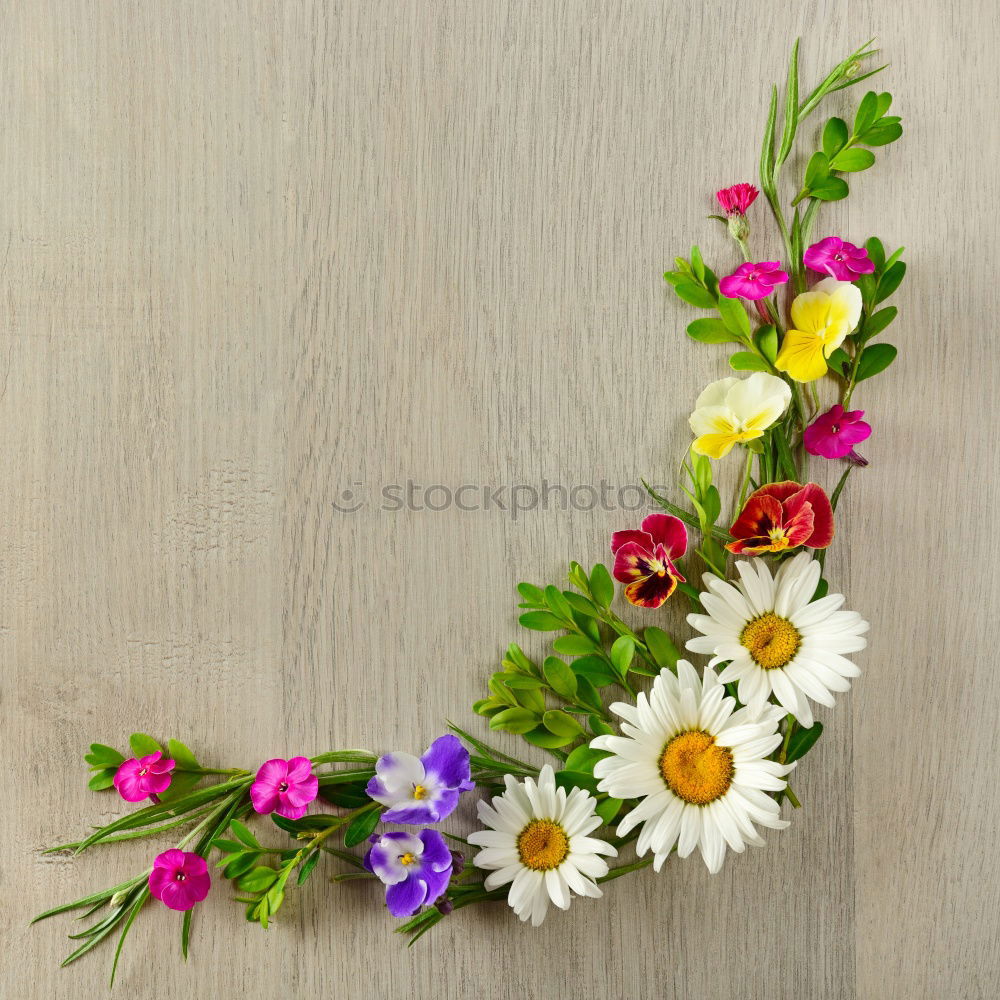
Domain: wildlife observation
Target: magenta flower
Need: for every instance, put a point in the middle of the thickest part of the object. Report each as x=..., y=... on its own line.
x=140, y=779
x=839, y=259
x=835, y=433
x=179, y=879
x=753, y=281
x=737, y=199
x=285, y=787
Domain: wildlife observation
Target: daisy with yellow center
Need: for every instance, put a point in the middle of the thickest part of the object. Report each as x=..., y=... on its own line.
x=536, y=840
x=776, y=640
x=697, y=764
x=821, y=319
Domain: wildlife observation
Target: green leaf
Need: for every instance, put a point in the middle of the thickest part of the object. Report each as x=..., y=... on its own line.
x=822, y=589
x=258, y=879
x=559, y=723
x=661, y=647
x=712, y=505
x=531, y=593
x=697, y=264
x=884, y=103
x=581, y=605
x=517, y=682
x=237, y=865
x=541, y=621
x=560, y=677
x=243, y=834
x=181, y=783
x=834, y=137
x=876, y=251
x=361, y=827
x=817, y=169
x=596, y=670
x=853, y=160
x=186, y=934
x=877, y=322
x=584, y=759
x=802, y=742
x=622, y=654
x=744, y=361
x=602, y=587
x=586, y=694
x=143, y=745
x=882, y=135
x=791, y=115
x=103, y=756
x=867, y=112
x=710, y=331
x=514, y=720
x=183, y=757
x=766, y=339
x=695, y=295
x=830, y=189
x=875, y=359
x=541, y=737
x=890, y=281
x=576, y=779
x=767, y=145
x=734, y=316
x=557, y=603
x=102, y=779
x=599, y=727
x=608, y=810
x=308, y=865
x=574, y=645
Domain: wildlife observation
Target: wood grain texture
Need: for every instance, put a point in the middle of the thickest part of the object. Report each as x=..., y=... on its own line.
x=258, y=254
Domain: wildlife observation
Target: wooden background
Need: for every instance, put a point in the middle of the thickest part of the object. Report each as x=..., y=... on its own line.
x=258, y=254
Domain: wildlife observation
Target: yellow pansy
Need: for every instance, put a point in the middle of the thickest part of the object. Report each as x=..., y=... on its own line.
x=821, y=319
x=734, y=410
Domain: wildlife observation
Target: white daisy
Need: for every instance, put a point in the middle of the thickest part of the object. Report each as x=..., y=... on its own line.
x=537, y=840
x=776, y=639
x=700, y=768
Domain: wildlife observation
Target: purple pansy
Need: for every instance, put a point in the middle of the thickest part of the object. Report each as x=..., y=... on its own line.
x=425, y=789
x=415, y=868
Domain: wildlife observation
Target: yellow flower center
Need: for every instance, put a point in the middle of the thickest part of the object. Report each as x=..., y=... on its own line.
x=542, y=845
x=778, y=537
x=419, y=792
x=695, y=768
x=772, y=641
x=407, y=859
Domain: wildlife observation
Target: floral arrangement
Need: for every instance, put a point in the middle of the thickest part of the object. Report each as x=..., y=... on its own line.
x=650, y=756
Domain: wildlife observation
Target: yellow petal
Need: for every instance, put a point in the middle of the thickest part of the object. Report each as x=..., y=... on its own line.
x=811, y=311
x=714, y=445
x=802, y=356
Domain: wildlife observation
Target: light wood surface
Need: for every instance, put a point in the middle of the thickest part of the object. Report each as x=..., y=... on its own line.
x=257, y=254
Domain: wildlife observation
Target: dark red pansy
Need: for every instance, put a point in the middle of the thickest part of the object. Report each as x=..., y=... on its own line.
x=644, y=559
x=783, y=516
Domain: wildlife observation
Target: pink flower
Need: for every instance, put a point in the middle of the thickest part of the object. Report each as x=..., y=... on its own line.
x=179, y=879
x=841, y=260
x=737, y=199
x=753, y=281
x=835, y=433
x=140, y=779
x=285, y=787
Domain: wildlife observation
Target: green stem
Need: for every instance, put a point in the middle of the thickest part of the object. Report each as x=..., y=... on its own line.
x=627, y=869
x=745, y=488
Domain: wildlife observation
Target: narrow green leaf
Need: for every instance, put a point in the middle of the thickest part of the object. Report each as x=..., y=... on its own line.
x=308, y=865
x=867, y=113
x=242, y=832
x=697, y=264
x=186, y=933
x=557, y=603
x=767, y=145
x=360, y=828
x=802, y=742
x=791, y=116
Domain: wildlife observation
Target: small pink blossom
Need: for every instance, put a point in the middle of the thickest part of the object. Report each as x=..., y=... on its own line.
x=179, y=879
x=839, y=259
x=138, y=779
x=753, y=281
x=835, y=433
x=737, y=199
x=285, y=787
